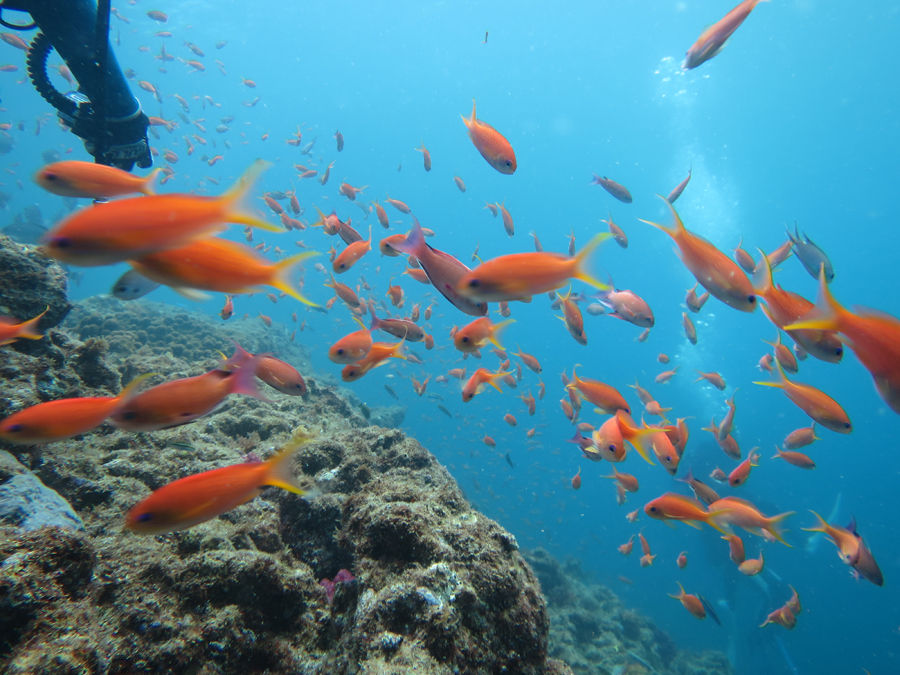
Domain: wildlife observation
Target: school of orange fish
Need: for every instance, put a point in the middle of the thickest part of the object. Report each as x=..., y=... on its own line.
x=170, y=239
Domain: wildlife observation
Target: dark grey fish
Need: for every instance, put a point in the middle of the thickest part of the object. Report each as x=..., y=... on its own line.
x=617, y=190
x=709, y=610
x=435, y=397
x=27, y=227
x=182, y=446
x=132, y=285
x=676, y=193
x=810, y=255
x=509, y=461
x=392, y=393
x=444, y=410
x=50, y=156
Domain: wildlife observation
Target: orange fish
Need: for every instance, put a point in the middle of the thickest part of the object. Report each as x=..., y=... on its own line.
x=714, y=270
x=743, y=514
x=742, y=472
x=479, y=333
x=529, y=360
x=690, y=331
x=426, y=156
x=515, y=276
x=672, y=506
x=573, y=318
x=576, y=481
x=599, y=394
x=626, y=480
x=798, y=459
x=64, y=418
x=459, y=183
x=386, y=245
x=397, y=204
x=203, y=496
x=626, y=548
x=351, y=255
x=735, y=548
x=479, y=380
x=344, y=292
x=91, y=181
x=491, y=144
x=691, y=603
x=752, y=566
x=178, y=402
x=676, y=193
x=815, y=403
x=713, y=378
x=274, y=372
x=223, y=266
x=10, y=331
x=353, y=347
x=729, y=445
x=490, y=442
x=616, y=231
x=607, y=442
x=783, y=616
x=848, y=544
x=713, y=39
x=228, y=310
x=125, y=229
x=378, y=356
x=873, y=336
x=667, y=375
x=682, y=560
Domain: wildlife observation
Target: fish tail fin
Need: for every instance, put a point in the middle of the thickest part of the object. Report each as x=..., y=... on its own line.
x=775, y=526
x=284, y=270
x=278, y=470
x=236, y=206
x=29, y=329
x=581, y=261
x=333, y=283
x=783, y=381
x=821, y=527
x=827, y=312
x=762, y=276
x=499, y=328
x=679, y=596
x=147, y=187
x=244, y=379
x=492, y=379
x=414, y=243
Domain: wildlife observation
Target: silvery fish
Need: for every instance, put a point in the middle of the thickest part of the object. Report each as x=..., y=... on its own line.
x=132, y=285
x=810, y=255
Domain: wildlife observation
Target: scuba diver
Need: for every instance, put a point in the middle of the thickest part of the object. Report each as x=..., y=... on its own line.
x=103, y=112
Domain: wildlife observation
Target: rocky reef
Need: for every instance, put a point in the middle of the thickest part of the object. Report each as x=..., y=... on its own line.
x=383, y=568
x=594, y=633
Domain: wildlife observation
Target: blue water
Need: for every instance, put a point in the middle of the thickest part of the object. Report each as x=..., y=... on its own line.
x=795, y=120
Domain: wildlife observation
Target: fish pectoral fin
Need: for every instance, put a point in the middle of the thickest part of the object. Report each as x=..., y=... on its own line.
x=191, y=293
x=692, y=523
x=201, y=507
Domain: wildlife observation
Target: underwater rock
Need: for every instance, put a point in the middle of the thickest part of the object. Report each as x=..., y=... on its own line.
x=430, y=585
x=390, y=417
x=29, y=284
x=593, y=632
x=29, y=504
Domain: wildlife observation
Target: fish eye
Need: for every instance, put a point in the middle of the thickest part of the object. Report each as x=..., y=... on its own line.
x=474, y=283
x=839, y=351
x=129, y=415
x=751, y=299
x=298, y=386
x=653, y=508
x=14, y=428
x=508, y=163
x=847, y=425
x=145, y=517
x=612, y=448
x=340, y=352
x=465, y=339
x=49, y=175
x=669, y=459
x=61, y=242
